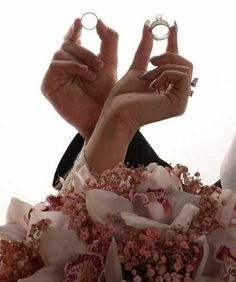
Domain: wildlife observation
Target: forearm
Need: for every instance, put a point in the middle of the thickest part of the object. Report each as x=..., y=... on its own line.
x=108, y=144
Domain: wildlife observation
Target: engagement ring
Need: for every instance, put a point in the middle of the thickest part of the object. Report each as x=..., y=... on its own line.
x=160, y=28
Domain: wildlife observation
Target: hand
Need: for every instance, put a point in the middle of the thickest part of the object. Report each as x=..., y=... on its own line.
x=135, y=99
x=78, y=82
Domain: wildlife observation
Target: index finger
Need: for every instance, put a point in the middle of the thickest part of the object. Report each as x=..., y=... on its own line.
x=74, y=32
x=172, y=44
x=144, y=50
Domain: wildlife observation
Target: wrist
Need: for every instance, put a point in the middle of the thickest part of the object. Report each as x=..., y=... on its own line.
x=109, y=142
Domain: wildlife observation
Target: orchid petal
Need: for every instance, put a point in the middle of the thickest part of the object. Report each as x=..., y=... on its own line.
x=184, y=218
x=202, y=241
x=58, y=219
x=219, y=237
x=65, y=183
x=100, y=203
x=45, y=274
x=18, y=211
x=229, y=197
x=87, y=267
x=12, y=232
x=159, y=177
x=140, y=222
x=179, y=199
x=228, y=168
x=113, y=270
x=79, y=182
x=158, y=213
x=139, y=203
x=59, y=246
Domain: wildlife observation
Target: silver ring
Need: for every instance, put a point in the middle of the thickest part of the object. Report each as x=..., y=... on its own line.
x=193, y=84
x=91, y=14
x=159, y=22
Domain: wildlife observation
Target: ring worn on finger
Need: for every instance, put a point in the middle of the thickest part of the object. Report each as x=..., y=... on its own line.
x=193, y=84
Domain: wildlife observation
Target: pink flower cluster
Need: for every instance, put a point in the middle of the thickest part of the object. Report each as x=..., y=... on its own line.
x=120, y=180
x=145, y=254
x=21, y=259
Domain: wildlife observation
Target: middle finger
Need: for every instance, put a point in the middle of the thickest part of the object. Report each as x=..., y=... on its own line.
x=171, y=58
x=82, y=54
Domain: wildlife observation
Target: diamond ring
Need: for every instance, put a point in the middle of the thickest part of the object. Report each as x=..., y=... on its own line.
x=160, y=28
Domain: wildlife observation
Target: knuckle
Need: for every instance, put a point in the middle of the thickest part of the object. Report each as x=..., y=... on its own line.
x=57, y=55
x=144, y=53
x=66, y=44
x=43, y=88
x=180, y=110
x=190, y=66
x=52, y=66
x=186, y=77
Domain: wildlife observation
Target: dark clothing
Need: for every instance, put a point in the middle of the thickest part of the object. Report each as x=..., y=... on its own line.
x=139, y=153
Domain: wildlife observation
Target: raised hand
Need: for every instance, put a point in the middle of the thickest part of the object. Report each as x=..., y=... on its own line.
x=142, y=97
x=139, y=98
x=78, y=82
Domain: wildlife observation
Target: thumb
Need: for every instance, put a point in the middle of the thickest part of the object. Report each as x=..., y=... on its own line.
x=172, y=43
x=109, y=43
x=144, y=50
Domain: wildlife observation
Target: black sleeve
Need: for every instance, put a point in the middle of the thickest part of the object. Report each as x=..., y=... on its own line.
x=139, y=153
x=218, y=184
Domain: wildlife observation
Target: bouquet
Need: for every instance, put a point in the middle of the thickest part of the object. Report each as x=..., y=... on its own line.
x=126, y=224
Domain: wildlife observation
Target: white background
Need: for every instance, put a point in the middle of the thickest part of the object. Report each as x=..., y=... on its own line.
x=33, y=136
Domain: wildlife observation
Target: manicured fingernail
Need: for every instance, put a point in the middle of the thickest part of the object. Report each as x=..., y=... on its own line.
x=176, y=26
x=83, y=67
x=154, y=58
x=147, y=23
x=142, y=75
x=98, y=64
x=146, y=26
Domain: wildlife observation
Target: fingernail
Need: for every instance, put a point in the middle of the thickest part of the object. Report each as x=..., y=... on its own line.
x=147, y=23
x=98, y=64
x=146, y=26
x=176, y=26
x=84, y=67
x=142, y=75
x=154, y=58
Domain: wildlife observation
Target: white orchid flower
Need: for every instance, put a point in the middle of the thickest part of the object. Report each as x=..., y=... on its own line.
x=100, y=203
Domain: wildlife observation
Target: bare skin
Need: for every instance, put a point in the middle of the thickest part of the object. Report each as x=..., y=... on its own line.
x=134, y=102
x=78, y=82
x=77, y=85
